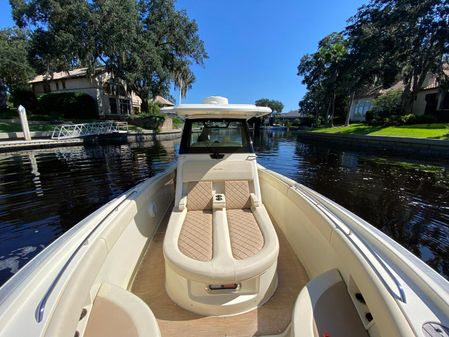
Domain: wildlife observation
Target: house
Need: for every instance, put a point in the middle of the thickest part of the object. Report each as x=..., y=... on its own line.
x=292, y=116
x=112, y=98
x=430, y=98
x=163, y=102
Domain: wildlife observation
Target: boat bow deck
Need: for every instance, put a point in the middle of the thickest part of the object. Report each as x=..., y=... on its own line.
x=272, y=318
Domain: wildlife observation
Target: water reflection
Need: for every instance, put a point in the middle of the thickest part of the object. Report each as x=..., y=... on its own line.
x=45, y=192
x=406, y=198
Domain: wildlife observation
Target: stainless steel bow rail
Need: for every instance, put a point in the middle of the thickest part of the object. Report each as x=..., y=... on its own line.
x=67, y=131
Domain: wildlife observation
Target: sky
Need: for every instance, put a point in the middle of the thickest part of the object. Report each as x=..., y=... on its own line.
x=254, y=46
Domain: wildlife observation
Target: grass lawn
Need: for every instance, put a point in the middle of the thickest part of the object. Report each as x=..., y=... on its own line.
x=17, y=127
x=434, y=131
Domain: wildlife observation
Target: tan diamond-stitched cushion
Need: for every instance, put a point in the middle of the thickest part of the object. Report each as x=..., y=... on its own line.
x=237, y=194
x=195, y=239
x=246, y=238
x=200, y=196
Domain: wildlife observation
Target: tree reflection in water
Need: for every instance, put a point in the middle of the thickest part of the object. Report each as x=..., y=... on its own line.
x=406, y=198
x=43, y=193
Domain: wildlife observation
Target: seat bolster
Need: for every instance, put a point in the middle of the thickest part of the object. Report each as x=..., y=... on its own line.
x=255, y=202
x=182, y=203
x=267, y=256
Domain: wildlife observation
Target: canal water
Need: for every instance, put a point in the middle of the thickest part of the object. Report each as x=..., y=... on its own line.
x=45, y=192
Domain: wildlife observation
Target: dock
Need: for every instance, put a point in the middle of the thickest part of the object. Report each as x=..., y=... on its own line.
x=12, y=145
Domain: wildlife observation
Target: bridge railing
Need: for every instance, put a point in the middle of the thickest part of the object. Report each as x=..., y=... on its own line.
x=66, y=131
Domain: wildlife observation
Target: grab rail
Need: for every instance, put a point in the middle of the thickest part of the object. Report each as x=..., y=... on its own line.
x=40, y=309
x=327, y=213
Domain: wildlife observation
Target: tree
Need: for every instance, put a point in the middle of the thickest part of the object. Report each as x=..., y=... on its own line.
x=62, y=32
x=140, y=42
x=406, y=39
x=175, y=39
x=275, y=106
x=15, y=69
x=326, y=74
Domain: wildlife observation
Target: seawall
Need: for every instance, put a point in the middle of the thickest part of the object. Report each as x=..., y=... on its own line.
x=391, y=144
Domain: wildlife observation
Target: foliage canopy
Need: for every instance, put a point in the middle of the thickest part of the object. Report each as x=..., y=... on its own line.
x=384, y=42
x=15, y=70
x=145, y=44
x=275, y=106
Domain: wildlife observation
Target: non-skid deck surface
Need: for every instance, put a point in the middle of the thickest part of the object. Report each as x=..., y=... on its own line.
x=272, y=318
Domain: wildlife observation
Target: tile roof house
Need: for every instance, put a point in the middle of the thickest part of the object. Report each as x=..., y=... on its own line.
x=112, y=99
x=430, y=98
x=163, y=102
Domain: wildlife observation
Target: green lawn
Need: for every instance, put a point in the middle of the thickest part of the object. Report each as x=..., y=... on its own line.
x=434, y=131
x=17, y=127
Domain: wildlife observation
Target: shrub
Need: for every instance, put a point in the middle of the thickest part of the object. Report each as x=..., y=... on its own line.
x=369, y=116
x=425, y=119
x=147, y=121
x=70, y=105
x=441, y=116
x=388, y=104
x=177, y=122
x=308, y=121
x=408, y=119
x=27, y=98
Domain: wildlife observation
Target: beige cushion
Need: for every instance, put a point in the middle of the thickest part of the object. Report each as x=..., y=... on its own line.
x=237, y=194
x=200, y=196
x=195, y=239
x=246, y=237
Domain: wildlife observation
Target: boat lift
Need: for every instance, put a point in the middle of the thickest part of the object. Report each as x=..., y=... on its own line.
x=67, y=131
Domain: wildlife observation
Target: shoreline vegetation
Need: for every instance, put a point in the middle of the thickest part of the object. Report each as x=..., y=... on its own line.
x=438, y=131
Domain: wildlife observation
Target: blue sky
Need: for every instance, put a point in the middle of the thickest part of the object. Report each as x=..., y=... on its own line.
x=254, y=46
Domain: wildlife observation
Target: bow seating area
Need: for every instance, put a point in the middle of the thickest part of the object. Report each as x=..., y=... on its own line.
x=220, y=248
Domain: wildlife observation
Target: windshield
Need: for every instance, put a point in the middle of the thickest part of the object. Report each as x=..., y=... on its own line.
x=215, y=135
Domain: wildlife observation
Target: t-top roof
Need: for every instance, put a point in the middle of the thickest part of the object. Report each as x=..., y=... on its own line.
x=217, y=107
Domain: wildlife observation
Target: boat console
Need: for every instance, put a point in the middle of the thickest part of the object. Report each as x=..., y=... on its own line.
x=220, y=246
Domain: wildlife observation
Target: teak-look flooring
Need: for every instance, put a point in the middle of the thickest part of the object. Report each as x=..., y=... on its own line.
x=270, y=319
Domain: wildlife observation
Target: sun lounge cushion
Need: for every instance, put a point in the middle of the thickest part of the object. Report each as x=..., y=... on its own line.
x=237, y=194
x=200, y=196
x=195, y=239
x=222, y=260
x=246, y=237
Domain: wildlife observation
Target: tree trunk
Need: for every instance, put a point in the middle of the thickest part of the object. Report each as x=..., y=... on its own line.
x=328, y=111
x=3, y=96
x=144, y=106
x=333, y=108
x=348, y=115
